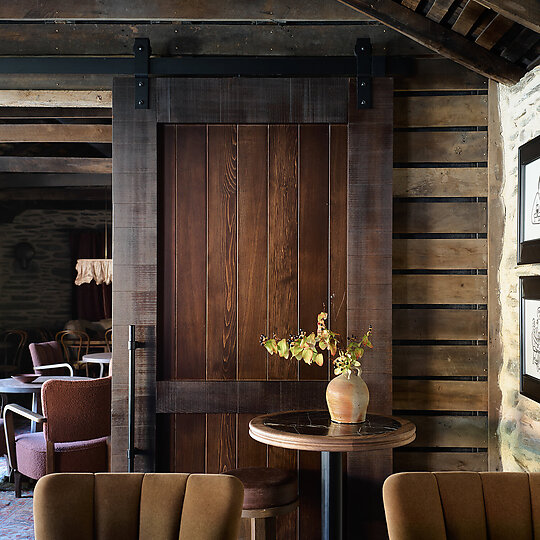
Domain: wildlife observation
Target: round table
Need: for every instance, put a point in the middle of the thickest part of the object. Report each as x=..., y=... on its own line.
x=12, y=386
x=314, y=431
x=101, y=358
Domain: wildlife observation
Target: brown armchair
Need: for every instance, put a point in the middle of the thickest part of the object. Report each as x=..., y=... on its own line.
x=76, y=424
x=48, y=359
x=137, y=506
x=462, y=506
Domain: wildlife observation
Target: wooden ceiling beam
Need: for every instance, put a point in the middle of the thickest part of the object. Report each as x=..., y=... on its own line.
x=175, y=10
x=468, y=17
x=439, y=9
x=81, y=39
x=524, y=12
x=494, y=31
x=439, y=39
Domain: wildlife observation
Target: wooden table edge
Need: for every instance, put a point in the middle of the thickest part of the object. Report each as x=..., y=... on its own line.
x=404, y=435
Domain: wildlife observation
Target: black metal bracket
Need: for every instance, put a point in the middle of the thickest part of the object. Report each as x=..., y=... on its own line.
x=364, y=61
x=142, y=52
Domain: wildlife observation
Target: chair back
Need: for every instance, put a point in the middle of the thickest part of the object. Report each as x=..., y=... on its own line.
x=137, y=506
x=15, y=342
x=75, y=344
x=45, y=354
x=108, y=340
x=462, y=505
x=76, y=410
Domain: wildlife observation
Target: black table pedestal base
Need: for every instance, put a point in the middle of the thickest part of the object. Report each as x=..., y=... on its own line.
x=331, y=496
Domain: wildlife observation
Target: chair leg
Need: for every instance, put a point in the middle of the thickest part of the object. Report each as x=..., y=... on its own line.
x=263, y=528
x=18, y=478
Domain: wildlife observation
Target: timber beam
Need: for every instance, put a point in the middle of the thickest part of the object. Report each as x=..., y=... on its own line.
x=439, y=39
x=524, y=12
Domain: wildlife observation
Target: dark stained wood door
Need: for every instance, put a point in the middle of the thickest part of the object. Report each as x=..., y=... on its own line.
x=272, y=201
x=249, y=213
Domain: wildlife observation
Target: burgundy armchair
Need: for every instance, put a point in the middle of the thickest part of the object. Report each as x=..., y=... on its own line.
x=48, y=358
x=76, y=424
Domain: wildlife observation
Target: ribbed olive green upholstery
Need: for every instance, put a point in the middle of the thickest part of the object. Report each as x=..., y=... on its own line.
x=113, y=506
x=463, y=506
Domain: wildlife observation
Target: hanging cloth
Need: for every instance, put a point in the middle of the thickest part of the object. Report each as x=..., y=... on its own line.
x=99, y=270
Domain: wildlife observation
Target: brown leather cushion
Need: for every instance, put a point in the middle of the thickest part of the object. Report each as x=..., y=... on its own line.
x=265, y=487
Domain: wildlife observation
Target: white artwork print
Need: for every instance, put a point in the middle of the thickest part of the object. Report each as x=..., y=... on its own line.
x=531, y=329
x=531, y=205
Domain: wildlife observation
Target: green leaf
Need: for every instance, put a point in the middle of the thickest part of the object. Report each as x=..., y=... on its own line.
x=283, y=348
x=332, y=346
x=319, y=359
x=307, y=355
x=270, y=346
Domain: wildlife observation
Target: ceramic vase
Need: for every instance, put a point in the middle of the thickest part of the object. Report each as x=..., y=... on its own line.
x=347, y=396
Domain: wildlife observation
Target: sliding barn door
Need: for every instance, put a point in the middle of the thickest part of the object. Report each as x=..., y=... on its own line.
x=268, y=202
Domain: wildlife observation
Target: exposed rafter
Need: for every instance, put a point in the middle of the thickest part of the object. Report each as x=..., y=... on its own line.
x=439, y=39
x=524, y=12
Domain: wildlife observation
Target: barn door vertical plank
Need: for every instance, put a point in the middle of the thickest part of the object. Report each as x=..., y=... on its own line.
x=369, y=282
x=288, y=460
x=220, y=442
x=190, y=276
x=283, y=272
x=313, y=233
x=283, y=242
x=312, y=291
x=337, y=315
x=222, y=253
x=189, y=439
x=252, y=249
x=166, y=366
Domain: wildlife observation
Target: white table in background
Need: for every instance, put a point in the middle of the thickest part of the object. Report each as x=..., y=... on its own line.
x=101, y=358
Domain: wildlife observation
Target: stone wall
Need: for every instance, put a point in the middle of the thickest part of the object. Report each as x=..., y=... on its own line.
x=519, y=428
x=40, y=296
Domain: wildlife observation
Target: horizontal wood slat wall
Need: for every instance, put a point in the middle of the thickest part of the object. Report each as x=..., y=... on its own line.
x=55, y=146
x=439, y=286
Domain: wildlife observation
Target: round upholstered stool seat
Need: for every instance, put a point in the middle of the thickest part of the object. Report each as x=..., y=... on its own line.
x=268, y=493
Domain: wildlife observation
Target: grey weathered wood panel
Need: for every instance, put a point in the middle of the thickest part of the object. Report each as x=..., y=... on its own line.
x=134, y=244
x=253, y=101
x=369, y=265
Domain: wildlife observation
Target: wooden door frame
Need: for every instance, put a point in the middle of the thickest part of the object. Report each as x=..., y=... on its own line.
x=135, y=227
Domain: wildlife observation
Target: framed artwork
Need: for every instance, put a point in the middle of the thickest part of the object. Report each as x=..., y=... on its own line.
x=529, y=203
x=529, y=336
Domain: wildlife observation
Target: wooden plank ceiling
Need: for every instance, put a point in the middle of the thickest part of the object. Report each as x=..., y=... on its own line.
x=496, y=38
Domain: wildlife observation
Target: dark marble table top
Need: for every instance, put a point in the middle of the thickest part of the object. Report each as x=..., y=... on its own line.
x=313, y=430
x=319, y=423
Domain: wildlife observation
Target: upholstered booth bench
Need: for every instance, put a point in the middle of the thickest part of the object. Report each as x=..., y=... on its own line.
x=463, y=506
x=136, y=506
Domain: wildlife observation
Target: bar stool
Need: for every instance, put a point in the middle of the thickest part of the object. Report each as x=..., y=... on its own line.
x=268, y=493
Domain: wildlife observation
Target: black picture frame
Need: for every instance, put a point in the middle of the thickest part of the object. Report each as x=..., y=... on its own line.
x=529, y=336
x=529, y=204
